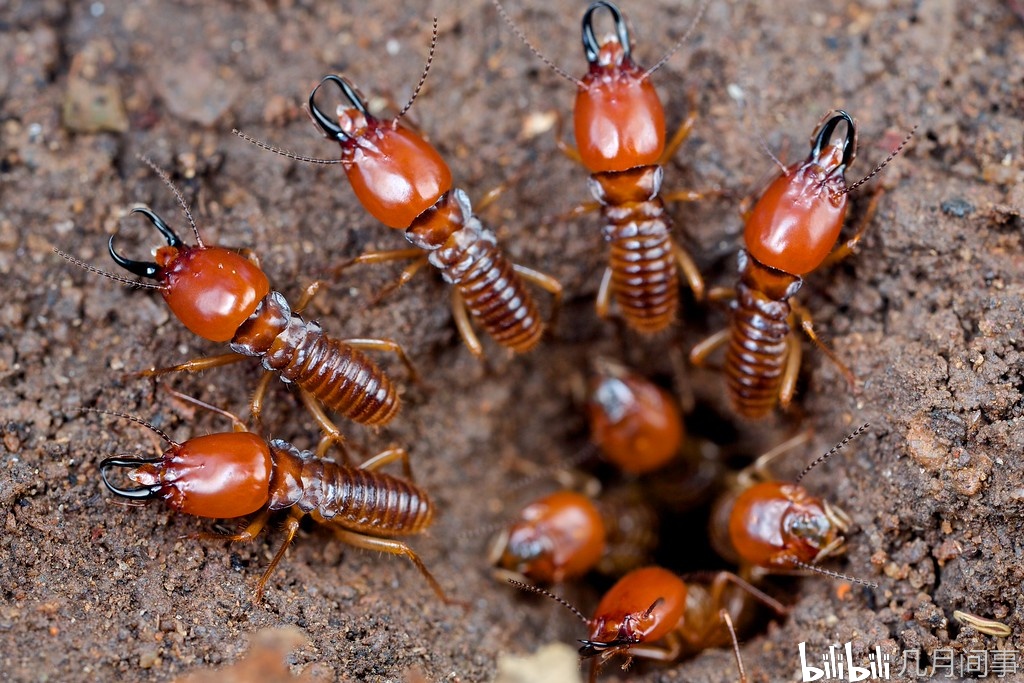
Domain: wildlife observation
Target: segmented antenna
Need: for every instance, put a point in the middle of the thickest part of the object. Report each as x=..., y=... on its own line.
x=423, y=77
x=136, y=420
x=679, y=43
x=832, y=451
x=548, y=594
x=834, y=575
x=283, y=152
x=94, y=269
x=181, y=200
x=892, y=155
x=537, y=53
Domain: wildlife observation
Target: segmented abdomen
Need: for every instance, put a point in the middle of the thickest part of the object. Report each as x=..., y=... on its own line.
x=341, y=377
x=492, y=290
x=756, y=357
x=645, y=280
x=364, y=501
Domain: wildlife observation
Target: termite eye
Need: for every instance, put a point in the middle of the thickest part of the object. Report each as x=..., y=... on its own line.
x=591, y=48
x=809, y=526
x=327, y=124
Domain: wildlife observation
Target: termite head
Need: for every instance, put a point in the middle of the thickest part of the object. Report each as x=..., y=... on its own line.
x=777, y=525
x=643, y=607
x=394, y=172
x=797, y=220
x=557, y=538
x=618, y=118
x=218, y=476
x=211, y=290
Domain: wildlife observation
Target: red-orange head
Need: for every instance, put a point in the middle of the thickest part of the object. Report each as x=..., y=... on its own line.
x=395, y=173
x=557, y=538
x=218, y=476
x=635, y=423
x=618, y=118
x=772, y=524
x=643, y=607
x=797, y=220
x=211, y=290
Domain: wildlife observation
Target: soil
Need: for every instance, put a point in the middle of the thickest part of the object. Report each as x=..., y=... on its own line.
x=927, y=314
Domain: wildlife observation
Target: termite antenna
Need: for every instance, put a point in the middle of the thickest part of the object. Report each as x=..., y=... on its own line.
x=483, y=530
x=723, y=614
x=832, y=574
x=537, y=53
x=679, y=43
x=832, y=451
x=136, y=420
x=582, y=455
x=283, y=152
x=892, y=155
x=423, y=77
x=94, y=269
x=177, y=193
x=654, y=605
x=548, y=594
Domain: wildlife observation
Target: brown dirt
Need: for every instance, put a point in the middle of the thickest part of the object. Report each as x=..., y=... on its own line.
x=928, y=315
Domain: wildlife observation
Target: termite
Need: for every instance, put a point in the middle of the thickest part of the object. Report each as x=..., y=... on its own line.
x=619, y=124
x=403, y=182
x=223, y=296
x=778, y=527
x=635, y=423
x=790, y=232
x=236, y=474
x=566, y=534
x=654, y=614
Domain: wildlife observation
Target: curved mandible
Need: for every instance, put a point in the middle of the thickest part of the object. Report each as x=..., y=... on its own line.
x=591, y=48
x=141, y=493
x=326, y=123
x=825, y=136
x=145, y=268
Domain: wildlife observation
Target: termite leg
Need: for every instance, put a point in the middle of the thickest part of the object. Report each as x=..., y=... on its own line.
x=845, y=249
x=464, y=326
x=291, y=526
x=378, y=257
x=194, y=365
x=256, y=403
x=251, y=531
x=389, y=456
x=394, y=547
x=669, y=653
x=388, y=346
x=683, y=132
x=251, y=255
x=307, y=296
x=759, y=469
x=689, y=269
x=236, y=422
x=720, y=581
x=602, y=303
x=807, y=323
x=716, y=294
x=563, y=146
x=548, y=284
x=700, y=352
x=332, y=435
x=794, y=354
x=723, y=614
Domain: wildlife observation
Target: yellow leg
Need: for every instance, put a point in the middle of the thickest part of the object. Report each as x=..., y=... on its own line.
x=332, y=435
x=845, y=249
x=291, y=526
x=236, y=422
x=388, y=545
x=194, y=365
x=699, y=353
x=256, y=403
x=690, y=270
x=548, y=284
x=723, y=614
x=465, y=326
x=389, y=456
x=794, y=355
x=251, y=531
x=683, y=132
x=563, y=146
x=807, y=324
x=387, y=346
x=378, y=257
x=307, y=296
